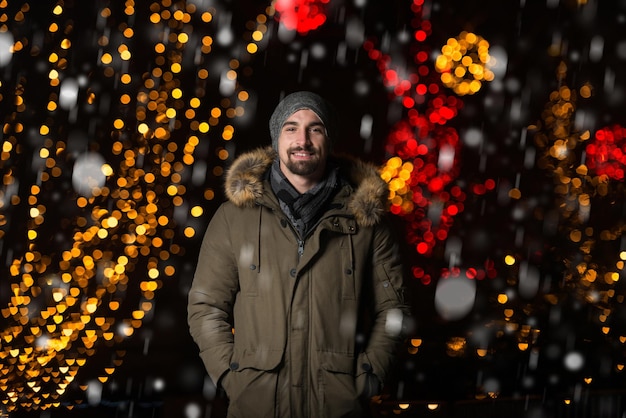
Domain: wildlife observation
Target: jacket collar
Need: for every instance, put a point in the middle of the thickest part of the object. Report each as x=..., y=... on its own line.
x=367, y=199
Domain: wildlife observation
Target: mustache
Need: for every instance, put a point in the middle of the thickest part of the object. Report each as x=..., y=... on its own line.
x=310, y=149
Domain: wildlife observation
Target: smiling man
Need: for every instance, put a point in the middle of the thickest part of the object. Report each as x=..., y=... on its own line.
x=297, y=303
x=303, y=147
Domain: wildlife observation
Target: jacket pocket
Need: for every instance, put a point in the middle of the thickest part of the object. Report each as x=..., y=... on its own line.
x=251, y=385
x=252, y=393
x=337, y=386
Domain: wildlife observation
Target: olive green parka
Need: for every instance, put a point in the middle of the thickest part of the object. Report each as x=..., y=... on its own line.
x=293, y=327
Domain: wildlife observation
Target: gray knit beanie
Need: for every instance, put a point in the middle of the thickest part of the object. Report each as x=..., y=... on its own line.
x=298, y=101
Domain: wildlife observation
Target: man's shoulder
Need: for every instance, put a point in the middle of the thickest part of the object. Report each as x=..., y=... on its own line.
x=244, y=180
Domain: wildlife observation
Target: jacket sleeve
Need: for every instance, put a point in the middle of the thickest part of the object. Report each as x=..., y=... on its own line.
x=211, y=297
x=391, y=309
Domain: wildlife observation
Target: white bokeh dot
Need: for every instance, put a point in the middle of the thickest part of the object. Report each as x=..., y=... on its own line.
x=454, y=297
x=87, y=174
x=573, y=361
x=6, y=51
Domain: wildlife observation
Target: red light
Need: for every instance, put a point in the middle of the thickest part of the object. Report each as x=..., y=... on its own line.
x=374, y=54
x=421, y=89
x=390, y=77
x=421, y=56
x=442, y=235
x=447, y=113
x=419, y=138
x=301, y=15
x=607, y=154
x=418, y=272
x=435, y=185
x=420, y=35
x=422, y=248
x=479, y=189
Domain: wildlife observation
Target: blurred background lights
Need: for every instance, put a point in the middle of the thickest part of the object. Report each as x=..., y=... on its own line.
x=120, y=120
x=193, y=410
x=454, y=297
x=492, y=387
x=574, y=361
x=465, y=63
x=498, y=61
x=159, y=384
x=6, y=48
x=68, y=96
x=473, y=137
x=393, y=322
x=303, y=16
x=87, y=174
x=94, y=392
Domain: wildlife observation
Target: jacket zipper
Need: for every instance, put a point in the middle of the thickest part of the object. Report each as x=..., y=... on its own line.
x=300, y=247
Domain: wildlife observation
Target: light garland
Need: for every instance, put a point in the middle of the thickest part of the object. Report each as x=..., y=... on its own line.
x=65, y=307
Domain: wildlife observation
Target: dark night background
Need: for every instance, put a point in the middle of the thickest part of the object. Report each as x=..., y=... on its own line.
x=161, y=374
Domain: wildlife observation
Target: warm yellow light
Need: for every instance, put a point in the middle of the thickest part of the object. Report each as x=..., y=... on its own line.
x=509, y=260
x=252, y=48
x=106, y=58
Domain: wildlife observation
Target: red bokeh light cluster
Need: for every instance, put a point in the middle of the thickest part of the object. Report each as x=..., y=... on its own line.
x=301, y=15
x=433, y=148
x=606, y=155
x=434, y=155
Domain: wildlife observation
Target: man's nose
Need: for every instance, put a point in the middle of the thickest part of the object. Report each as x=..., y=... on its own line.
x=303, y=138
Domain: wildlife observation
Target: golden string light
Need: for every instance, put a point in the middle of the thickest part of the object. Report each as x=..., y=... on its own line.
x=465, y=63
x=591, y=256
x=66, y=306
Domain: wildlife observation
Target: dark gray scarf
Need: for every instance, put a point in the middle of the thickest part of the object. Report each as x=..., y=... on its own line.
x=303, y=209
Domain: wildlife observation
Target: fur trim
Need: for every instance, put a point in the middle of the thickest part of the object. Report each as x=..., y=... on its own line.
x=244, y=178
x=368, y=202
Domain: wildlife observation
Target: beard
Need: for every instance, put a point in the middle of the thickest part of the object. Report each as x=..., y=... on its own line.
x=303, y=168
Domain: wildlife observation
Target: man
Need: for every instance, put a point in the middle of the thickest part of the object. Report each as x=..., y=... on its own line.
x=297, y=301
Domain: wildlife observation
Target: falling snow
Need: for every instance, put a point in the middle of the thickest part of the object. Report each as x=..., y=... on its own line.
x=499, y=127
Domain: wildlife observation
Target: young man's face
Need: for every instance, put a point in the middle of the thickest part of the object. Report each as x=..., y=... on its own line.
x=303, y=146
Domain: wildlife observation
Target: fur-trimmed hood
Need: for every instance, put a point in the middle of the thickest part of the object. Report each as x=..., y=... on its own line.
x=244, y=185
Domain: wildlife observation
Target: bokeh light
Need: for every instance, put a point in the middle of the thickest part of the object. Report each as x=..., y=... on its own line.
x=498, y=127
